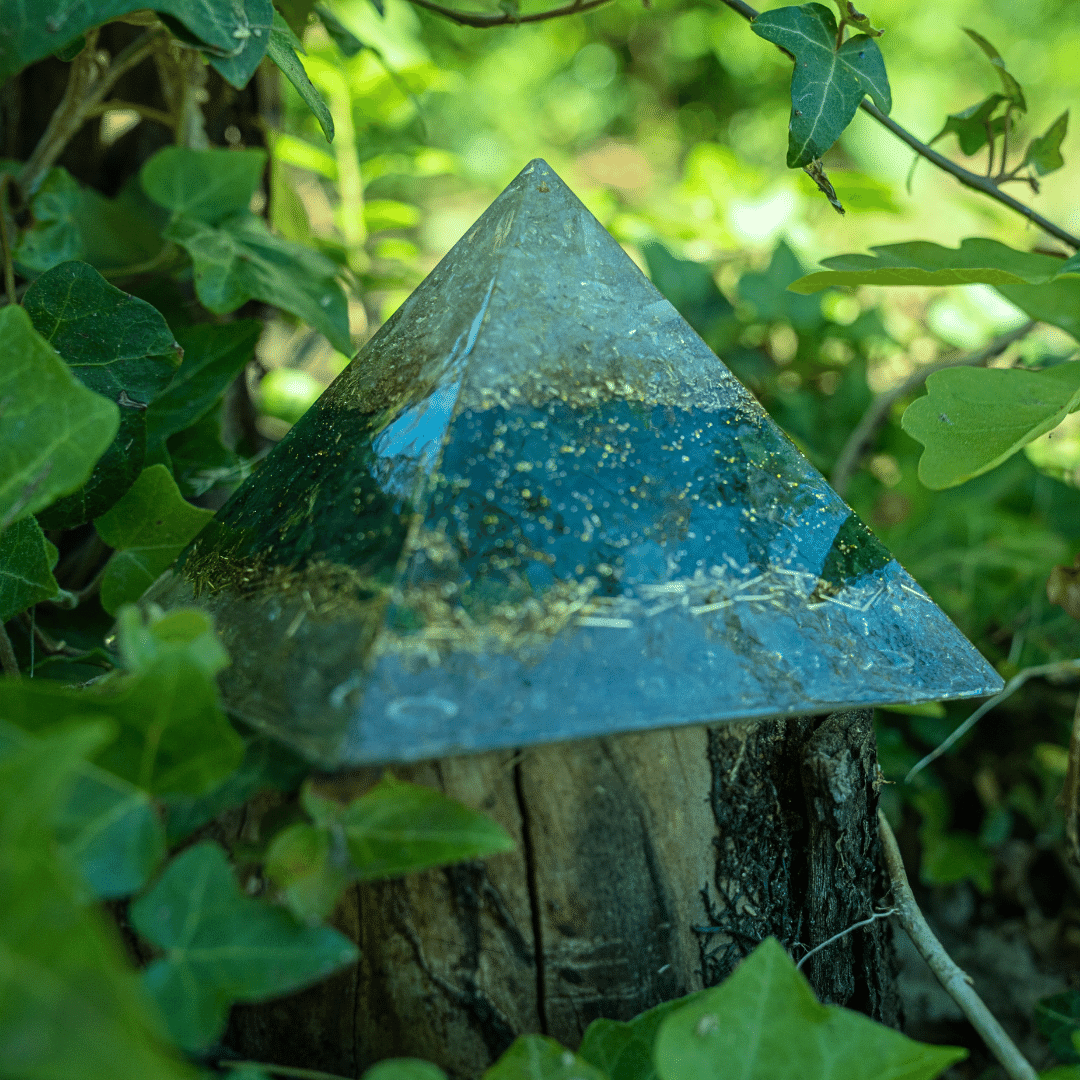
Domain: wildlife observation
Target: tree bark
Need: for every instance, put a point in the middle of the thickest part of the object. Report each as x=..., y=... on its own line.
x=647, y=866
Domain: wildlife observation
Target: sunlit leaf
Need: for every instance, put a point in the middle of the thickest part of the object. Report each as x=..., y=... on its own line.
x=1044, y=151
x=339, y=33
x=764, y=1023
x=69, y=1005
x=52, y=428
x=220, y=946
x=118, y=346
x=284, y=46
x=828, y=82
x=149, y=527
x=536, y=1057
x=26, y=564
x=972, y=419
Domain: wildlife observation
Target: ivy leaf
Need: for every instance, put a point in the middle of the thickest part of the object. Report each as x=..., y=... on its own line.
x=284, y=45
x=205, y=185
x=213, y=357
x=399, y=828
x=52, y=428
x=972, y=419
x=241, y=260
x=54, y=234
x=118, y=346
x=828, y=82
x=1044, y=151
x=149, y=527
x=311, y=867
x=536, y=1057
x=764, y=1023
x=226, y=28
x=220, y=946
x=1011, y=87
x=172, y=735
x=200, y=459
x=69, y=1006
x=404, y=1069
x=623, y=1050
x=26, y=564
x=970, y=125
x=253, y=34
x=1058, y=1020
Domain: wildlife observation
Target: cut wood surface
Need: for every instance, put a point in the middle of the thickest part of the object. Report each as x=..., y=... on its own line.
x=647, y=865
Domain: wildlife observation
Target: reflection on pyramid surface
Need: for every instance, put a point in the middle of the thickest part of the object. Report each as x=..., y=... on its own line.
x=537, y=507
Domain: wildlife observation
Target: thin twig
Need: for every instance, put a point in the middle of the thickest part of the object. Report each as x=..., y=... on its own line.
x=1061, y=667
x=878, y=410
x=968, y=179
x=8, y=664
x=843, y=933
x=1069, y=799
x=956, y=983
x=483, y=22
x=9, y=263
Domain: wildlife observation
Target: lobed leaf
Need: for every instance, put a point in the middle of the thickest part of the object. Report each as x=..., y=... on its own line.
x=69, y=1005
x=52, y=428
x=970, y=125
x=26, y=564
x=536, y=1057
x=828, y=83
x=284, y=46
x=972, y=419
x=1044, y=151
x=149, y=527
x=220, y=946
x=204, y=185
x=764, y=1023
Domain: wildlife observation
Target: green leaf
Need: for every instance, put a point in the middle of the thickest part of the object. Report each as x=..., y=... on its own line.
x=398, y=828
x=283, y=49
x=213, y=357
x=339, y=33
x=623, y=1050
x=828, y=82
x=311, y=867
x=267, y=765
x=241, y=260
x=220, y=946
x=172, y=734
x=26, y=564
x=149, y=527
x=1044, y=151
x=764, y=1023
x=52, y=428
x=536, y=1057
x=772, y=300
x=1058, y=1020
x=69, y=1005
x=201, y=461
x=970, y=125
x=404, y=1069
x=1008, y=83
x=972, y=419
x=257, y=20
x=116, y=345
x=204, y=185
x=53, y=236
x=225, y=27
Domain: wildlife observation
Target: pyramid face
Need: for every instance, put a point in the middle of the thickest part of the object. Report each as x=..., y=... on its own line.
x=537, y=507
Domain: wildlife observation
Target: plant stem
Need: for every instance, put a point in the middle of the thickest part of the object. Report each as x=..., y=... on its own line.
x=956, y=983
x=982, y=184
x=5, y=240
x=480, y=21
x=8, y=664
x=879, y=408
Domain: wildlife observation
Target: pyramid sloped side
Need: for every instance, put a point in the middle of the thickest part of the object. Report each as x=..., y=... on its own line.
x=571, y=317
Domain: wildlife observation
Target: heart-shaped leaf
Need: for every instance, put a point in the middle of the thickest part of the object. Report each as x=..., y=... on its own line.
x=828, y=81
x=536, y=1057
x=26, y=564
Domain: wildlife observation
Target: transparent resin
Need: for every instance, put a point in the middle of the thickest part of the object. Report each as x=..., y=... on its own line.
x=537, y=507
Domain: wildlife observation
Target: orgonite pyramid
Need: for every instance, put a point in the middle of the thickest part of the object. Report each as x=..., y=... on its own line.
x=537, y=507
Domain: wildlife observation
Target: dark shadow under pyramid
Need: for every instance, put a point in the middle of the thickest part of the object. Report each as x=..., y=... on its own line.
x=537, y=507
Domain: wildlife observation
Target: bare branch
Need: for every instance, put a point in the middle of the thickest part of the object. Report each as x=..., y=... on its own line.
x=879, y=409
x=482, y=22
x=956, y=983
x=983, y=184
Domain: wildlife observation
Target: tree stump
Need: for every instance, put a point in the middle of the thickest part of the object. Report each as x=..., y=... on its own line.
x=647, y=865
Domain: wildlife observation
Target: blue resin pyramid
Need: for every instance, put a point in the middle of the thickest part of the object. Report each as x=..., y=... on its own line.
x=537, y=507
